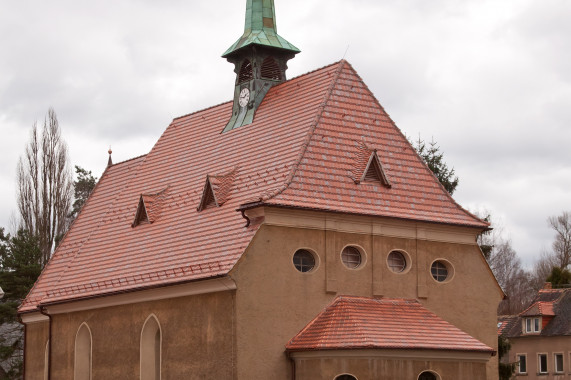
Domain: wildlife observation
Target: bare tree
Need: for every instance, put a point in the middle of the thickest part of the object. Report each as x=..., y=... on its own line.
x=45, y=185
x=506, y=265
x=562, y=245
x=542, y=268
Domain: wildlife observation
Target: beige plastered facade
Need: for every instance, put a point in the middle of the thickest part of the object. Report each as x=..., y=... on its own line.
x=237, y=327
x=531, y=346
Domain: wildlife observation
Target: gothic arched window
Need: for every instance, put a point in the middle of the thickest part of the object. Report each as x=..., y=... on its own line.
x=82, y=366
x=151, y=349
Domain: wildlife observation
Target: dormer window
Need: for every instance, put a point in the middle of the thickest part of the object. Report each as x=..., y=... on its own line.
x=532, y=325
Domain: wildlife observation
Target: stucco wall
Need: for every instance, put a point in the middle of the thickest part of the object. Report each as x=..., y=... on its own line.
x=36, y=340
x=534, y=345
x=194, y=330
x=274, y=301
x=375, y=367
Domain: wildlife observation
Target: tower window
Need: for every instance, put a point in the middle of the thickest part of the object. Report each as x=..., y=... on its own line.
x=270, y=69
x=246, y=72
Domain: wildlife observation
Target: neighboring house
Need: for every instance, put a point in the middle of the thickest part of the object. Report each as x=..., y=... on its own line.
x=291, y=233
x=540, y=336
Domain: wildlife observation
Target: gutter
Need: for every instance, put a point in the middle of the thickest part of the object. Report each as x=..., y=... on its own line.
x=49, y=364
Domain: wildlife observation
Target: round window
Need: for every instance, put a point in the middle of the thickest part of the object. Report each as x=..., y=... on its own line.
x=303, y=260
x=396, y=261
x=351, y=257
x=427, y=376
x=345, y=377
x=439, y=271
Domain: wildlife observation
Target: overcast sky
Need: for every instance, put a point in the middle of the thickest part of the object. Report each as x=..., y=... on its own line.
x=490, y=80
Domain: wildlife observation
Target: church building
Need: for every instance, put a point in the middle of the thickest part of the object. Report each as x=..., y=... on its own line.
x=291, y=233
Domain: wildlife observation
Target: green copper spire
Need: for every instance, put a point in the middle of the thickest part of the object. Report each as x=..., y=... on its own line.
x=260, y=28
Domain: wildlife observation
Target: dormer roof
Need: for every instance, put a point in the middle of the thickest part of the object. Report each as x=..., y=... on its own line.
x=296, y=153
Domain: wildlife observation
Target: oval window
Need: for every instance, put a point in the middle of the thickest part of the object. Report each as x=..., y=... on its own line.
x=439, y=271
x=396, y=261
x=303, y=260
x=351, y=257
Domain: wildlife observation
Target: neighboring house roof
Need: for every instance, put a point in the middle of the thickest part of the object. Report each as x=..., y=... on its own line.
x=554, y=305
x=505, y=323
x=361, y=323
x=301, y=151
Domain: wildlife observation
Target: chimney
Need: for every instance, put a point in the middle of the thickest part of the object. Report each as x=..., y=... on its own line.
x=547, y=285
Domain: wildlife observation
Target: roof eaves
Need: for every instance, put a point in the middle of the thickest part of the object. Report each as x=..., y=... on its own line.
x=264, y=203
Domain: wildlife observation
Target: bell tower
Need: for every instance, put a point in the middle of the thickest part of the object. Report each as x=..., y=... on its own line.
x=260, y=61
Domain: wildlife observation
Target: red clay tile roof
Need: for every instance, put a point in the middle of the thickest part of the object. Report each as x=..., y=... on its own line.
x=298, y=152
x=361, y=323
x=539, y=309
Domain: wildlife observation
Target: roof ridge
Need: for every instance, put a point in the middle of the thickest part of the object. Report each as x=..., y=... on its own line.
x=310, y=133
x=281, y=84
x=126, y=161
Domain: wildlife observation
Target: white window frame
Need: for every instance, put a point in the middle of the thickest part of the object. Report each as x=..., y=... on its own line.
x=519, y=364
x=539, y=355
x=532, y=325
x=555, y=369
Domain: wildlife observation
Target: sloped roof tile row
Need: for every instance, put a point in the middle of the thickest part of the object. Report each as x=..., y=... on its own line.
x=298, y=152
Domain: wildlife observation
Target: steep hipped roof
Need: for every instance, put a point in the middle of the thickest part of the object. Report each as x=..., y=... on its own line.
x=299, y=152
x=554, y=305
x=361, y=323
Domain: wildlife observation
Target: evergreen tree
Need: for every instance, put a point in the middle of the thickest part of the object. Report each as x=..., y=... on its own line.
x=559, y=277
x=505, y=370
x=20, y=258
x=434, y=159
x=83, y=186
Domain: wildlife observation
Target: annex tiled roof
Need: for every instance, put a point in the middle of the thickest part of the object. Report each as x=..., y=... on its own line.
x=366, y=323
x=298, y=152
x=554, y=305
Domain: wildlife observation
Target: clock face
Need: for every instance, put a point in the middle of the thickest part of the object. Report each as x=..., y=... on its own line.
x=244, y=97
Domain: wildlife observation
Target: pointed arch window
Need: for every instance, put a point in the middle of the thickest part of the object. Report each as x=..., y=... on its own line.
x=151, y=341
x=270, y=69
x=246, y=72
x=82, y=365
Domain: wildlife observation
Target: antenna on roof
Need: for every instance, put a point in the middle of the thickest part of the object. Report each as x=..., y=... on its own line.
x=346, y=50
x=110, y=161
